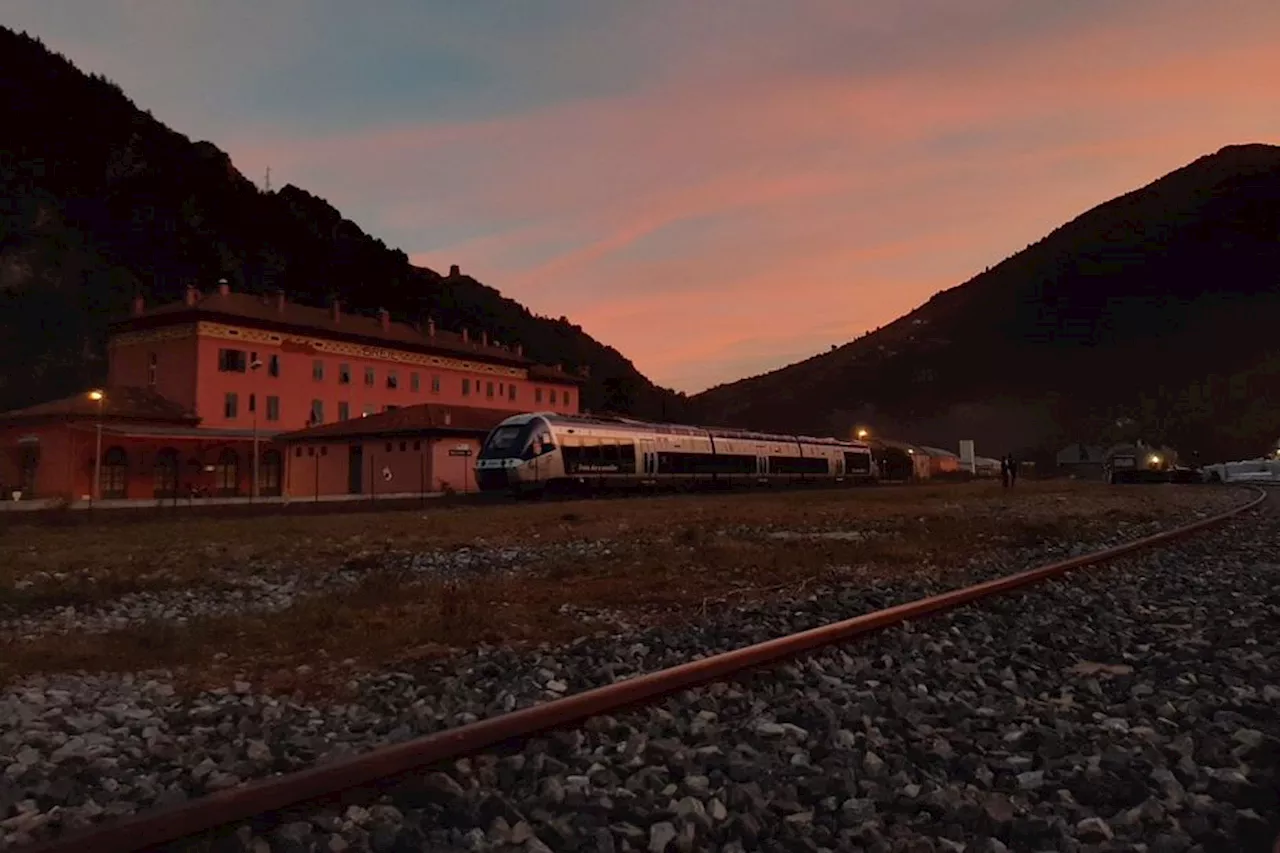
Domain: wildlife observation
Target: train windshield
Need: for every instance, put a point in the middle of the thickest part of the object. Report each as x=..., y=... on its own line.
x=506, y=442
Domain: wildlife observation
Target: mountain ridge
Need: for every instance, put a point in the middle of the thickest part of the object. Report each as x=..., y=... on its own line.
x=102, y=201
x=1121, y=291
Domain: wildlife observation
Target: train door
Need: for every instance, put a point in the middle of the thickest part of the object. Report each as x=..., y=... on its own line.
x=648, y=459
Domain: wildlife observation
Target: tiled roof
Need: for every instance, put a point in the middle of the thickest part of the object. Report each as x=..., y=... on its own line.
x=273, y=311
x=119, y=403
x=427, y=417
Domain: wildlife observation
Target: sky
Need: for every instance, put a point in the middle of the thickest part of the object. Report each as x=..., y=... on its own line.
x=717, y=188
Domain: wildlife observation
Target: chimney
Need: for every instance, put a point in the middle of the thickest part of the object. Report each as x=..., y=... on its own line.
x=335, y=309
x=454, y=271
x=465, y=337
x=193, y=295
x=431, y=327
x=139, y=306
x=280, y=301
x=223, y=288
x=519, y=349
x=384, y=319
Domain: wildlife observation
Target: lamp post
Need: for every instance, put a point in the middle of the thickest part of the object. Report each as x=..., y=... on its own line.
x=96, y=492
x=862, y=433
x=254, y=367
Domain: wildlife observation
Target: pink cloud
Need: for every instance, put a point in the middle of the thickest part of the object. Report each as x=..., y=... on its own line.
x=836, y=202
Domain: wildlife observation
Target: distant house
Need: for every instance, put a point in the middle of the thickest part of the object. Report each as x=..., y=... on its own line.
x=941, y=461
x=1081, y=460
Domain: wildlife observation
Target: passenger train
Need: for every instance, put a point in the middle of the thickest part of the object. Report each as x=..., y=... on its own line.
x=542, y=451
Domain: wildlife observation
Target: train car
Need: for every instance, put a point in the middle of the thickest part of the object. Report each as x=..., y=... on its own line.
x=541, y=451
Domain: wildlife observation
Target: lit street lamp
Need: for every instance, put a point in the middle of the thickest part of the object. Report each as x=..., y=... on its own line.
x=96, y=493
x=254, y=367
x=863, y=433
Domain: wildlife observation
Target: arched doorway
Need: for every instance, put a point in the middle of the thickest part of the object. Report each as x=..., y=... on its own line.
x=270, y=471
x=226, y=474
x=115, y=474
x=165, y=479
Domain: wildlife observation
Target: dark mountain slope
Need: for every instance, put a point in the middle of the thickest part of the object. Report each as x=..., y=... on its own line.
x=1158, y=306
x=98, y=200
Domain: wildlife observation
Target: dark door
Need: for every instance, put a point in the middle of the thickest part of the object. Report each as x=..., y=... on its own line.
x=355, y=469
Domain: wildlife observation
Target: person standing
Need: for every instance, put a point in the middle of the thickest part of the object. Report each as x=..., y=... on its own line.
x=1004, y=471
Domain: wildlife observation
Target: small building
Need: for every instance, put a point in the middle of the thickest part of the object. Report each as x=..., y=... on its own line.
x=941, y=462
x=1081, y=460
x=152, y=448
x=412, y=450
x=985, y=466
x=193, y=385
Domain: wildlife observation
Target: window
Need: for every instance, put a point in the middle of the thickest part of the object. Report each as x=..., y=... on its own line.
x=417, y=445
x=151, y=369
x=466, y=387
x=165, y=479
x=388, y=447
x=552, y=392
x=317, y=370
x=537, y=395
x=344, y=412
x=226, y=473
x=488, y=390
x=389, y=408
x=115, y=474
x=253, y=402
x=273, y=408
x=344, y=374
x=317, y=411
x=231, y=405
x=565, y=397
x=270, y=467
x=297, y=452
x=511, y=391
x=369, y=377
x=393, y=379
x=501, y=390
x=273, y=365
x=415, y=384
x=369, y=409
x=435, y=384
x=404, y=445
x=232, y=361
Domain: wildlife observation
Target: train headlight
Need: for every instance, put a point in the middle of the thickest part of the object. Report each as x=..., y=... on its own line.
x=1153, y=459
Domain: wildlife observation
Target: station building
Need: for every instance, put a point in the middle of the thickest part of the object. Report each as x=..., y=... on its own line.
x=193, y=385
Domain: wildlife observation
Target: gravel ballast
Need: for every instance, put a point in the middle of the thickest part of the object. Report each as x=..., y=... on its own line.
x=1134, y=704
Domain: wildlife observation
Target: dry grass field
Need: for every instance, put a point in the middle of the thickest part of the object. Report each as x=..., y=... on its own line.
x=653, y=559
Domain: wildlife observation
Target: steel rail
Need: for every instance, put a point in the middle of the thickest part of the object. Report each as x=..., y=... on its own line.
x=149, y=829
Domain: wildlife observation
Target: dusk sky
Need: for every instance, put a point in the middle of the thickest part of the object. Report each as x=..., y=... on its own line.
x=718, y=188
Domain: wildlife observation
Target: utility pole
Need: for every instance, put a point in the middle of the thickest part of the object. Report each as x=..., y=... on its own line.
x=96, y=493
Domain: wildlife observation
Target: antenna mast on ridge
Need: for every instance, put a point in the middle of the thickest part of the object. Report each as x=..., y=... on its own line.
x=268, y=180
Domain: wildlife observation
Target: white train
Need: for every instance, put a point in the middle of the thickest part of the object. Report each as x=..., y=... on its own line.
x=545, y=451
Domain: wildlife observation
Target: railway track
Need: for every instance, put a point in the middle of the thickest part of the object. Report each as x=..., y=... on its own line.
x=386, y=766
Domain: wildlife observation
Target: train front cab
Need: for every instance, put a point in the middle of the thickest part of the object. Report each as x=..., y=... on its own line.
x=516, y=457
